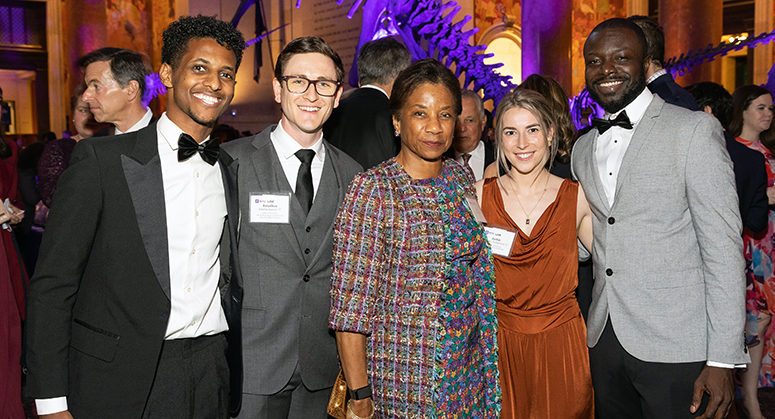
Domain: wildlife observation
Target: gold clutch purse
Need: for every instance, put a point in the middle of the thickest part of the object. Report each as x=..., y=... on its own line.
x=337, y=403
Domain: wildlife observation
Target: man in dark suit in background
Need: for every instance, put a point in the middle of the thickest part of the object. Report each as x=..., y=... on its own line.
x=658, y=80
x=115, y=83
x=749, y=165
x=291, y=183
x=361, y=125
x=467, y=146
x=137, y=281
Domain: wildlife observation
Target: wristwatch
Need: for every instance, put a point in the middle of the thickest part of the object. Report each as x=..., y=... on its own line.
x=361, y=393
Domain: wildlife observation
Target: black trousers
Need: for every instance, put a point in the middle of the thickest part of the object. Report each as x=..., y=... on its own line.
x=626, y=387
x=192, y=380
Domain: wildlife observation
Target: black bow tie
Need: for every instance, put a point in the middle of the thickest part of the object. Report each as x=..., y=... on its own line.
x=187, y=147
x=603, y=125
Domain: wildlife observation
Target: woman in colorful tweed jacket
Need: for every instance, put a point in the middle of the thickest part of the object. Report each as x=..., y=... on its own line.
x=413, y=297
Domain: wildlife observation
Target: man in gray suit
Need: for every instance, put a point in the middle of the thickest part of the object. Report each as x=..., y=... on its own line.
x=291, y=183
x=667, y=316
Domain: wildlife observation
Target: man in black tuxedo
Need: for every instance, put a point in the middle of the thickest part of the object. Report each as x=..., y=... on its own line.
x=749, y=165
x=361, y=125
x=137, y=289
x=115, y=84
x=658, y=80
x=467, y=146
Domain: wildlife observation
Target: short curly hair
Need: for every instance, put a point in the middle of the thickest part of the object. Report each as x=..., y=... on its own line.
x=177, y=35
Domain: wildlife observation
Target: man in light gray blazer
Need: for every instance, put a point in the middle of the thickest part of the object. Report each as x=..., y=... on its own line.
x=291, y=183
x=667, y=317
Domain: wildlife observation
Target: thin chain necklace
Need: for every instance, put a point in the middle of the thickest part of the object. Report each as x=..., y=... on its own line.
x=527, y=214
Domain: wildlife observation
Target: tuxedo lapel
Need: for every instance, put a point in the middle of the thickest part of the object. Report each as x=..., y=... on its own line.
x=639, y=138
x=270, y=177
x=142, y=170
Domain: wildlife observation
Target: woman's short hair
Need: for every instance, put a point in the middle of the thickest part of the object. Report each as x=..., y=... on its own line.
x=421, y=72
x=553, y=92
x=741, y=100
x=77, y=93
x=536, y=104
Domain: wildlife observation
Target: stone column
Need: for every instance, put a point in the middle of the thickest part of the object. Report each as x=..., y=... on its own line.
x=762, y=55
x=637, y=7
x=690, y=25
x=546, y=39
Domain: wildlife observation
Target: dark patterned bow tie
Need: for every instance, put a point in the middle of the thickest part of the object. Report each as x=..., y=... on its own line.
x=187, y=147
x=603, y=125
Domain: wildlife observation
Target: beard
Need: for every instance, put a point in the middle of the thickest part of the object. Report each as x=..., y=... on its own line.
x=615, y=104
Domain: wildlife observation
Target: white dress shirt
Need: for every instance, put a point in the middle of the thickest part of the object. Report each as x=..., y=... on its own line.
x=195, y=209
x=142, y=123
x=612, y=144
x=195, y=205
x=476, y=162
x=286, y=147
x=655, y=76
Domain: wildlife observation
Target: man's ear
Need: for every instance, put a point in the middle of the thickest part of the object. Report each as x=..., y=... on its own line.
x=132, y=90
x=165, y=75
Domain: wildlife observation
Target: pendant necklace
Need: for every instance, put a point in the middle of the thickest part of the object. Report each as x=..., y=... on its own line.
x=527, y=214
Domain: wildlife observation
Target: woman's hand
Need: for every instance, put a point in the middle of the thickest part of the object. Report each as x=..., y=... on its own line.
x=771, y=195
x=360, y=409
x=17, y=215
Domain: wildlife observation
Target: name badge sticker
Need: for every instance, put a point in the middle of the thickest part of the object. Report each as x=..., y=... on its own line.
x=473, y=205
x=270, y=208
x=501, y=241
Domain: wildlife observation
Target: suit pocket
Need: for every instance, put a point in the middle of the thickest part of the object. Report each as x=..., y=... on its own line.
x=93, y=341
x=683, y=279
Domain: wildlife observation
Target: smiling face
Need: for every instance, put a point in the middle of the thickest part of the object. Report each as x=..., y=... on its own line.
x=469, y=127
x=107, y=100
x=615, y=67
x=758, y=116
x=305, y=113
x=523, y=141
x=201, y=87
x=426, y=124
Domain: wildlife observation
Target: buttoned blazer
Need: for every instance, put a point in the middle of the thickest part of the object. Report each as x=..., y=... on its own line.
x=100, y=298
x=287, y=270
x=668, y=255
x=362, y=127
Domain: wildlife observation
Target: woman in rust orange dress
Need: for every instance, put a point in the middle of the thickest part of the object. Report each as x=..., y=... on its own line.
x=533, y=221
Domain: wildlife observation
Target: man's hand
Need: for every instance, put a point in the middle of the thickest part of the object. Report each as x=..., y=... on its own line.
x=717, y=382
x=57, y=415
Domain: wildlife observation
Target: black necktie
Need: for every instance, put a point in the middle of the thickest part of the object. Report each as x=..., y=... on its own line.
x=187, y=147
x=304, y=191
x=603, y=125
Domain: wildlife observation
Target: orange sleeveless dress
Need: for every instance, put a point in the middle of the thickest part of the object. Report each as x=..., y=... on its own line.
x=543, y=356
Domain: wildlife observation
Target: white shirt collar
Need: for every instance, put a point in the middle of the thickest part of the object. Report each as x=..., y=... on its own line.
x=479, y=150
x=170, y=131
x=371, y=86
x=287, y=147
x=636, y=108
x=656, y=75
x=142, y=123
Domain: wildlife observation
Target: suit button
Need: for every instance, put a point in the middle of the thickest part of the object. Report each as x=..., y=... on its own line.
x=306, y=251
x=609, y=271
x=308, y=229
x=611, y=220
x=306, y=278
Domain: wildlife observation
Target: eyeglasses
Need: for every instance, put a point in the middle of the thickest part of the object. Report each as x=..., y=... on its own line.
x=298, y=84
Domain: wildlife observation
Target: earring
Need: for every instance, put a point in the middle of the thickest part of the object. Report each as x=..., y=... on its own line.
x=396, y=133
